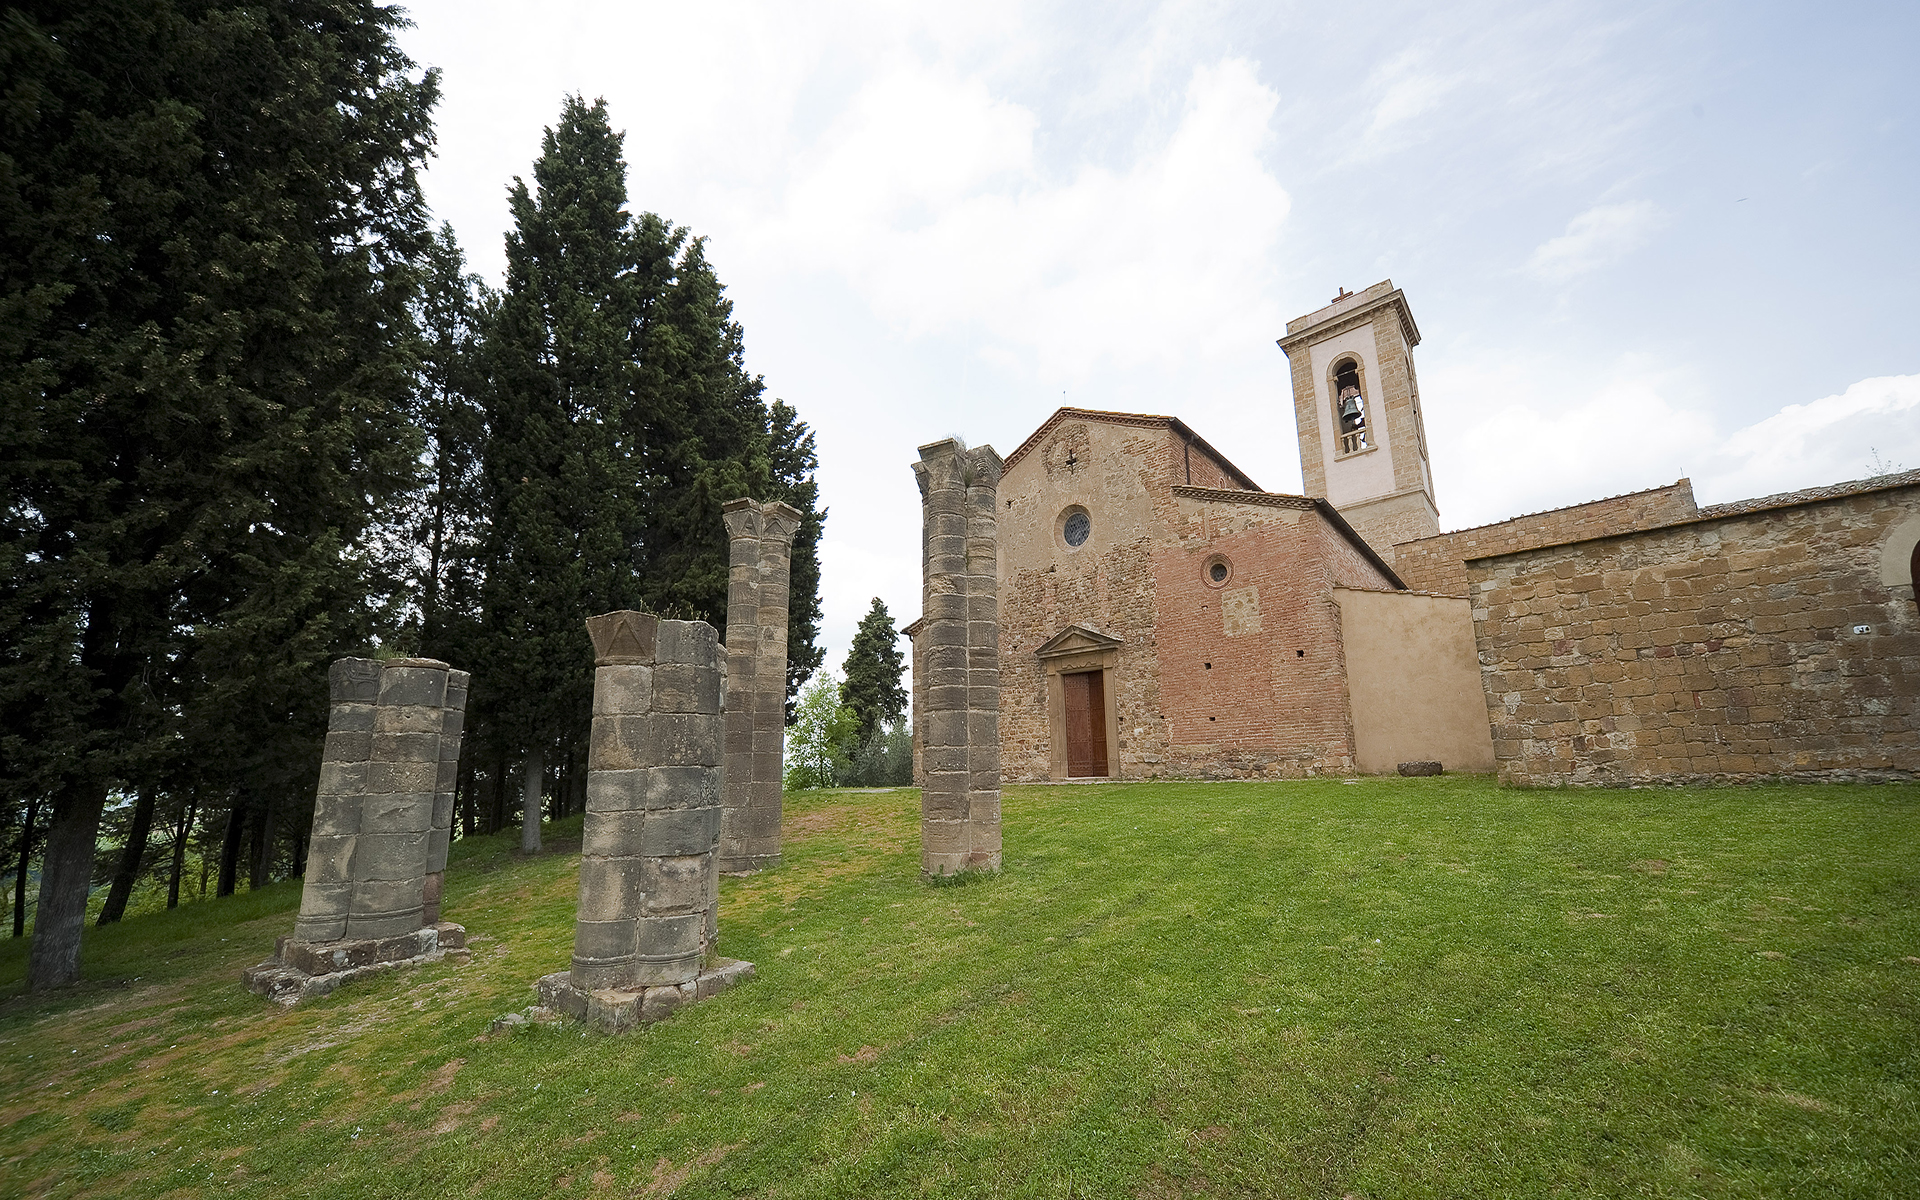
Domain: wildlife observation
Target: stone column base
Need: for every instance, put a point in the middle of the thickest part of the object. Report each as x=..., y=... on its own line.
x=616, y=1010
x=302, y=970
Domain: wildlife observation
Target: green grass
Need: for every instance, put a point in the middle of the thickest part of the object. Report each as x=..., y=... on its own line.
x=1387, y=988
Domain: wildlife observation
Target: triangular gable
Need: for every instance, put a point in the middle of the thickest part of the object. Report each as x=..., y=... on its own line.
x=1076, y=639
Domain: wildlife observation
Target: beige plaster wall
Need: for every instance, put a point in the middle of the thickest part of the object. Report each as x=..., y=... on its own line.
x=1413, y=679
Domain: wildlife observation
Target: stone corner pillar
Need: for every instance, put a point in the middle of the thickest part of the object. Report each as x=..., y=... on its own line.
x=760, y=559
x=649, y=880
x=958, y=646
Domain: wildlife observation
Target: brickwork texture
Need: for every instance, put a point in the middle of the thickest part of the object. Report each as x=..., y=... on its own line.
x=1439, y=564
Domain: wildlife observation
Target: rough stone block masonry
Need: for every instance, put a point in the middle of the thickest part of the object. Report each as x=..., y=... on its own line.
x=647, y=924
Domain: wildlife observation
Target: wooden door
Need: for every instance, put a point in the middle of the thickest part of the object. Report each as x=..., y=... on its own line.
x=1086, y=697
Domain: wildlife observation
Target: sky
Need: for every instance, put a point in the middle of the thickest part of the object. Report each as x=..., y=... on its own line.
x=1641, y=241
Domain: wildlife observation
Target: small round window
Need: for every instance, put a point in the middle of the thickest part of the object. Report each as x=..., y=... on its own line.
x=1217, y=571
x=1078, y=526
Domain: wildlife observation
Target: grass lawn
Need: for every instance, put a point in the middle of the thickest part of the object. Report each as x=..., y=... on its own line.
x=1393, y=987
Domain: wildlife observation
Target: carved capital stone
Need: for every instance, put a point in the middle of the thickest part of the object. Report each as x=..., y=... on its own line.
x=623, y=638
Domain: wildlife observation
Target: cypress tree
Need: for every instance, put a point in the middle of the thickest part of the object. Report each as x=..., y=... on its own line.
x=619, y=417
x=873, y=669
x=449, y=521
x=794, y=463
x=208, y=220
x=562, y=465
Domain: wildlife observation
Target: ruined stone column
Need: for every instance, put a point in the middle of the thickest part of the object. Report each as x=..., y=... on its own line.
x=960, y=795
x=760, y=543
x=452, y=720
x=983, y=661
x=649, y=865
x=353, y=685
x=371, y=899
x=391, y=852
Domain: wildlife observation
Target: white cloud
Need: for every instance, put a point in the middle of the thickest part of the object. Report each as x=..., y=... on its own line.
x=1830, y=440
x=1412, y=93
x=928, y=198
x=1601, y=235
x=1525, y=448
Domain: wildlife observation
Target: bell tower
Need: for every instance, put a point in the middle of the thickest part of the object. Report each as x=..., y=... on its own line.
x=1356, y=405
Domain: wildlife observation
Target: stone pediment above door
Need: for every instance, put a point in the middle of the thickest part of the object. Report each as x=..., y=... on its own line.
x=1076, y=640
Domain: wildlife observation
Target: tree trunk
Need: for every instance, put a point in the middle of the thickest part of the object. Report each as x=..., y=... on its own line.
x=530, y=802
x=20, y=880
x=66, y=872
x=497, y=820
x=180, y=832
x=260, y=861
x=130, y=858
x=230, y=846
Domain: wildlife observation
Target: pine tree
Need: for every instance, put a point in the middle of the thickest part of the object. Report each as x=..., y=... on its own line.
x=204, y=396
x=874, y=667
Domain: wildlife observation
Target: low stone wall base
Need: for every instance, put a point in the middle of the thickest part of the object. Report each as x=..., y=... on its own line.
x=616, y=1010
x=303, y=970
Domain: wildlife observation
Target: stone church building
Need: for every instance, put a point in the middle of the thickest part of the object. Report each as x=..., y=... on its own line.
x=1162, y=616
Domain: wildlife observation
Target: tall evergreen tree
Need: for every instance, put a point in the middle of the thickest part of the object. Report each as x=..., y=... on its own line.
x=794, y=463
x=564, y=468
x=449, y=522
x=873, y=668
x=620, y=416
x=208, y=223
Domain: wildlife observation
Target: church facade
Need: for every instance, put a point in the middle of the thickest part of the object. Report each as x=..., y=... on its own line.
x=1163, y=616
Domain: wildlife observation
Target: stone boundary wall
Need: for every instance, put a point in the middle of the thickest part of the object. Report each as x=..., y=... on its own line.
x=1779, y=641
x=1438, y=564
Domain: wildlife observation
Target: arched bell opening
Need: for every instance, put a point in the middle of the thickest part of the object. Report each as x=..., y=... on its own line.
x=1350, y=407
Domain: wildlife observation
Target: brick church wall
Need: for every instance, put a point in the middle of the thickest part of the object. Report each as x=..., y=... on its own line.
x=1719, y=649
x=1251, y=673
x=1438, y=564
